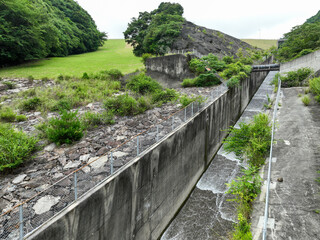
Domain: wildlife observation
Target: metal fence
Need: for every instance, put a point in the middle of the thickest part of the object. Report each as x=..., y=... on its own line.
x=264, y=233
x=26, y=216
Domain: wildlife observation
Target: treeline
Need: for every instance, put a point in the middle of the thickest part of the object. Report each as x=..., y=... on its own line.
x=154, y=32
x=301, y=40
x=32, y=29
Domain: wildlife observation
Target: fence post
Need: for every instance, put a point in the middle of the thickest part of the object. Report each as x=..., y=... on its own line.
x=75, y=186
x=111, y=163
x=192, y=108
x=21, y=221
x=185, y=114
x=137, y=145
x=172, y=123
x=157, y=133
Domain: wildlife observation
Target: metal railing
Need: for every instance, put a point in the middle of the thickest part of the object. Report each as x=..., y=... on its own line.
x=28, y=215
x=264, y=232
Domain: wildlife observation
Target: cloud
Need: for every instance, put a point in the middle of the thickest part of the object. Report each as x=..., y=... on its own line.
x=241, y=19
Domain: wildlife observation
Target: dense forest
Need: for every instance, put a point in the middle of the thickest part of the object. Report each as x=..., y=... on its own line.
x=301, y=40
x=154, y=32
x=33, y=29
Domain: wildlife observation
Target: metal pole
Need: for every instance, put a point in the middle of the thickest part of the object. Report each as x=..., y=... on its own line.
x=192, y=108
x=185, y=114
x=264, y=233
x=172, y=123
x=137, y=145
x=111, y=163
x=157, y=133
x=75, y=186
x=21, y=221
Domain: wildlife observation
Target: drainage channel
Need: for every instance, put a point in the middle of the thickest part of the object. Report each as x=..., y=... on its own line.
x=207, y=214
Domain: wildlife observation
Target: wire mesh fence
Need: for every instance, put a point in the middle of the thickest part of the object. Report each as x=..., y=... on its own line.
x=30, y=214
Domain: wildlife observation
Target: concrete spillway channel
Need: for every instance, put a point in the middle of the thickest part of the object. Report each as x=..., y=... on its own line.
x=207, y=214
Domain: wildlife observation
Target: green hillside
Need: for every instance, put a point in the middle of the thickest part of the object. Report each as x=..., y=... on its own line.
x=114, y=54
x=261, y=43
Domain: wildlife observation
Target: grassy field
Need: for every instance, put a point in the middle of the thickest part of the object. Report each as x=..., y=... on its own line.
x=114, y=54
x=261, y=43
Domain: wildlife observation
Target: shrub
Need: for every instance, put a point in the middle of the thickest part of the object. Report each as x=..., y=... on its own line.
x=15, y=147
x=30, y=78
x=206, y=80
x=293, y=78
x=228, y=59
x=188, y=82
x=62, y=104
x=92, y=120
x=21, y=118
x=44, y=79
x=197, y=66
x=306, y=100
x=115, y=74
x=60, y=77
x=145, y=56
x=7, y=114
x=144, y=103
x=31, y=104
x=143, y=84
x=315, y=87
x=85, y=76
x=65, y=129
x=122, y=105
x=164, y=96
x=233, y=82
x=251, y=140
x=185, y=100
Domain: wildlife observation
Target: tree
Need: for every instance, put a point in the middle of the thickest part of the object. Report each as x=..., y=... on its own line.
x=155, y=32
x=41, y=28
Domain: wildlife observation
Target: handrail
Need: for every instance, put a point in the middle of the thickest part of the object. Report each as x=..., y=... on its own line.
x=264, y=233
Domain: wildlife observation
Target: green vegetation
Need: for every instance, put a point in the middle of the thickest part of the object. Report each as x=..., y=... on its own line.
x=155, y=32
x=301, y=40
x=306, y=100
x=37, y=29
x=115, y=54
x=315, y=87
x=65, y=129
x=92, y=120
x=293, y=78
x=15, y=147
x=251, y=142
x=264, y=44
x=8, y=115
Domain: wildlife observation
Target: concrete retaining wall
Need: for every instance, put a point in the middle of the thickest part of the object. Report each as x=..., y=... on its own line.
x=139, y=201
x=311, y=60
x=169, y=70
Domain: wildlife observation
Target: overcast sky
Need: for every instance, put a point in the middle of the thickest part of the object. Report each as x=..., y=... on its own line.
x=268, y=19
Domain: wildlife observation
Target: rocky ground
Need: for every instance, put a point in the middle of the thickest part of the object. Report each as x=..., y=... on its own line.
x=53, y=163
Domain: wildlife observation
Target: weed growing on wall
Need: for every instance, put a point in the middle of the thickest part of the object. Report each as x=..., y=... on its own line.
x=315, y=87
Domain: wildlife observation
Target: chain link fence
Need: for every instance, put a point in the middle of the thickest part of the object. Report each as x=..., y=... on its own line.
x=30, y=214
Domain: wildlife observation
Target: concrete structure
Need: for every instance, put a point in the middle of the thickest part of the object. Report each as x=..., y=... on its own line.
x=139, y=201
x=310, y=60
x=169, y=70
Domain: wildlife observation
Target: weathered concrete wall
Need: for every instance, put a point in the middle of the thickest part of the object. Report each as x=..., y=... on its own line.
x=169, y=70
x=139, y=201
x=311, y=60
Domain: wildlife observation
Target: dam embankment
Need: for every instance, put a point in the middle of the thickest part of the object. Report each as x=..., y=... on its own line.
x=141, y=199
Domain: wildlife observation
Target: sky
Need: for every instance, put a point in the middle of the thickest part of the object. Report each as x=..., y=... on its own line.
x=239, y=18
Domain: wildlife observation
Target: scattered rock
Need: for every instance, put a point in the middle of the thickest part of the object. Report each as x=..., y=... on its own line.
x=119, y=154
x=84, y=158
x=98, y=162
x=45, y=203
x=280, y=179
x=19, y=179
x=71, y=164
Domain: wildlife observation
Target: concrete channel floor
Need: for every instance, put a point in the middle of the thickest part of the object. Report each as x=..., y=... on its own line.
x=295, y=194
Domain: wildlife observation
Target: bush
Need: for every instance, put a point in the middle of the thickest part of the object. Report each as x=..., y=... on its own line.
x=203, y=80
x=188, y=82
x=85, y=76
x=251, y=140
x=228, y=59
x=21, y=118
x=233, y=82
x=10, y=85
x=145, y=56
x=62, y=104
x=293, y=78
x=197, y=66
x=164, y=96
x=115, y=74
x=143, y=84
x=7, y=114
x=65, y=129
x=15, y=147
x=91, y=120
x=123, y=105
x=315, y=87
x=31, y=104
x=306, y=100
x=185, y=100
